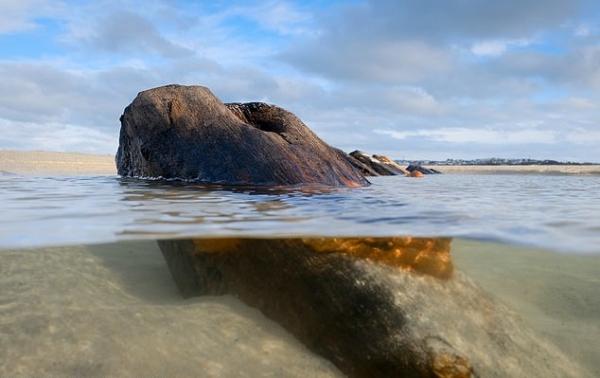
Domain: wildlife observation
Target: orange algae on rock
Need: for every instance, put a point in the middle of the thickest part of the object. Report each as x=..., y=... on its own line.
x=451, y=366
x=430, y=256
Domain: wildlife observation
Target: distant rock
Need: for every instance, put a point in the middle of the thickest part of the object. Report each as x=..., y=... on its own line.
x=426, y=171
x=185, y=132
x=364, y=168
x=377, y=165
x=390, y=164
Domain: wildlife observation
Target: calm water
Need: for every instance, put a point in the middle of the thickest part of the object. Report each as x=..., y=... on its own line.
x=555, y=212
x=95, y=278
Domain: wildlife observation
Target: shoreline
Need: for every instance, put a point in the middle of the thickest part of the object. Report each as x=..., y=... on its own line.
x=519, y=169
x=74, y=163
x=55, y=163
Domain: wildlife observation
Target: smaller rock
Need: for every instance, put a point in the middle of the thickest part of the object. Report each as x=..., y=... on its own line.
x=381, y=165
x=423, y=170
x=414, y=173
x=389, y=163
x=362, y=167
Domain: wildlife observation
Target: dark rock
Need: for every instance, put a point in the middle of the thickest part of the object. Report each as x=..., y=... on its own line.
x=423, y=170
x=375, y=307
x=390, y=164
x=310, y=287
x=362, y=167
x=381, y=165
x=185, y=132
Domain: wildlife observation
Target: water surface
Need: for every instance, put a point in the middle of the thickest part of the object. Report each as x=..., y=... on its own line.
x=553, y=212
x=78, y=297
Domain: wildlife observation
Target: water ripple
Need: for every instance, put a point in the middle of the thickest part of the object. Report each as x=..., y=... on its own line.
x=555, y=212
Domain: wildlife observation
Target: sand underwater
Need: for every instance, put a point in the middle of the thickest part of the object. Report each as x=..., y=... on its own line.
x=113, y=309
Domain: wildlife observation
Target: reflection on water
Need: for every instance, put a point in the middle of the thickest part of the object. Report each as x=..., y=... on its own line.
x=553, y=212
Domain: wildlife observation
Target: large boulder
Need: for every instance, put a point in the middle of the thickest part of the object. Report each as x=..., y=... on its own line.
x=375, y=307
x=185, y=132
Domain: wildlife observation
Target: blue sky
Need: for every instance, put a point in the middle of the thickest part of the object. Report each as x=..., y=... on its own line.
x=410, y=79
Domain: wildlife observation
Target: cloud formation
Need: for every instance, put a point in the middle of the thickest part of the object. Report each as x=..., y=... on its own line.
x=412, y=79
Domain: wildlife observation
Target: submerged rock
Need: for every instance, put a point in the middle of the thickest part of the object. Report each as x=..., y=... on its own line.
x=375, y=307
x=376, y=165
x=185, y=132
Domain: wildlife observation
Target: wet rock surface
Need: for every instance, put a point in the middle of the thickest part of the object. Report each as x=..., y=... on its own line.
x=419, y=168
x=380, y=165
x=372, y=306
x=185, y=132
x=391, y=164
x=377, y=165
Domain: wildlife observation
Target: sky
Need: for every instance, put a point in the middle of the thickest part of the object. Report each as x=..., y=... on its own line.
x=414, y=79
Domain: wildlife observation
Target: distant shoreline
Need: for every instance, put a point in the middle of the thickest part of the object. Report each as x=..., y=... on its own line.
x=562, y=169
x=55, y=163
x=71, y=163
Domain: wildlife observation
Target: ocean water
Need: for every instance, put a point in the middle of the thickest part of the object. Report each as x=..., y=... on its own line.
x=560, y=213
x=505, y=268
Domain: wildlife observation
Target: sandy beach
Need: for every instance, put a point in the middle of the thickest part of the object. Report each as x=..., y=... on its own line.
x=62, y=163
x=58, y=163
x=520, y=169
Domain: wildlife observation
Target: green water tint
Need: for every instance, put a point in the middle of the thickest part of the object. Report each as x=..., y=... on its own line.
x=317, y=307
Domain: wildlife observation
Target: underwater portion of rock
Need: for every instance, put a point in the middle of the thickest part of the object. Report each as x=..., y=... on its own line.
x=372, y=306
x=185, y=132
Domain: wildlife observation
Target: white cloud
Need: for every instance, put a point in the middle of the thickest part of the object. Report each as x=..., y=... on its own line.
x=122, y=31
x=280, y=16
x=579, y=103
x=477, y=135
x=497, y=47
x=20, y=15
x=582, y=30
x=410, y=71
x=584, y=136
x=53, y=136
x=411, y=99
x=387, y=61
